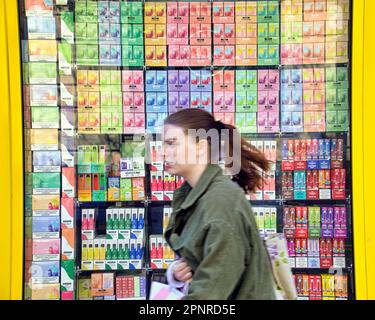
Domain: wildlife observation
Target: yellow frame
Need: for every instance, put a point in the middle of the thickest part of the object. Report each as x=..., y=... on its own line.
x=11, y=143
x=11, y=132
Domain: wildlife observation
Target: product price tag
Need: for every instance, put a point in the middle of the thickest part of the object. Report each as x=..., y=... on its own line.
x=45, y=280
x=46, y=191
x=292, y=262
x=99, y=265
x=123, y=265
x=301, y=262
x=46, y=257
x=47, y=168
x=46, y=235
x=110, y=265
x=325, y=194
x=313, y=263
x=339, y=262
x=87, y=265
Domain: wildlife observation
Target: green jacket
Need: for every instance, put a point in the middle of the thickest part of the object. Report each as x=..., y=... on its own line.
x=212, y=226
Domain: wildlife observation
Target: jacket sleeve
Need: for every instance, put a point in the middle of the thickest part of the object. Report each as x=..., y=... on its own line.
x=222, y=265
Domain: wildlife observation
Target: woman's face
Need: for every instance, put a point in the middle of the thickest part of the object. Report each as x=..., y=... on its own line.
x=180, y=151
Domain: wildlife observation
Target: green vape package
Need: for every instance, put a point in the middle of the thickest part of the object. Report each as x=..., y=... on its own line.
x=45, y=117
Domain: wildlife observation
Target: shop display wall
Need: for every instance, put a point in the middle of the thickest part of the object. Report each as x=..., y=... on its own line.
x=99, y=79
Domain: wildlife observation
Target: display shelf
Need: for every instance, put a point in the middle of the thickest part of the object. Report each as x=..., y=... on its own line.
x=93, y=109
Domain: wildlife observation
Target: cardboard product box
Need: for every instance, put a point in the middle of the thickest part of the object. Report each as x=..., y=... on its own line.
x=200, y=34
x=44, y=139
x=46, y=249
x=42, y=50
x=223, y=12
x=155, y=12
x=40, y=73
x=67, y=213
x=68, y=182
x=46, y=205
x=113, y=189
x=246, y=55
x=45, y=118
x=43, y=272
x=65, y=52
x=45, y=227
x=268, y=54
x=45, y=292
x=67, y=244
x=84, y=187
x=45, y=183
x=67, y=280
x=84, y=289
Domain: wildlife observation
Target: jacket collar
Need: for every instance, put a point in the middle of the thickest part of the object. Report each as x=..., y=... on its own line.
x=188, y=196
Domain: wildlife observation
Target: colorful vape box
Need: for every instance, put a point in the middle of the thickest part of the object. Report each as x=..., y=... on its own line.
x=246, y=122
x=224, y=55
x=67, y=213
x=246, y=11
x=67, y=244
x=46, y=249
x=45, y=183
x=200, y=12
x=67, y=280
x=155, y=12
x=38, y=8
x=43, y=95
x=113, y=189
x=134, y=123
x=200, y=55
x=156, y=81
x=43, y=272
x=223, y=12
x=268, y=11
x=155, y=34
x=45, y=118
x=224, y=33
x=45, y=227
x=42, y=50
x=268, y=54
x=156, y=56
x=102, y=284
x=178, y=81
x=200, y=80
x=41, y=73
x=132, y=81
x=43, y=139
x=68, y=182
x=200, y=34
x=84, y=187
x=138, y=188
x=131, y=12
x=126, y=189
x=45, y=205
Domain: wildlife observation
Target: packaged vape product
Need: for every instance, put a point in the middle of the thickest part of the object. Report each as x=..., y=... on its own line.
x=113, y=189
x=67, y=244
x=67, y=280
x=45, y=227
x=46, y=249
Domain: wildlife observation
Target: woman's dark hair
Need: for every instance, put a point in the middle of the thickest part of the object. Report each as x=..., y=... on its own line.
x=252, y=160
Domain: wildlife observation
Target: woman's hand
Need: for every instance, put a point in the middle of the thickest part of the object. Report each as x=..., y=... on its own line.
x=182, y=272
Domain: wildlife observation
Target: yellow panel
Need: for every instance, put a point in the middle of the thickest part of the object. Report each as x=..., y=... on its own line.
x=357, y=125
x=369, y=152
x=5, y=178
x=16, y=140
